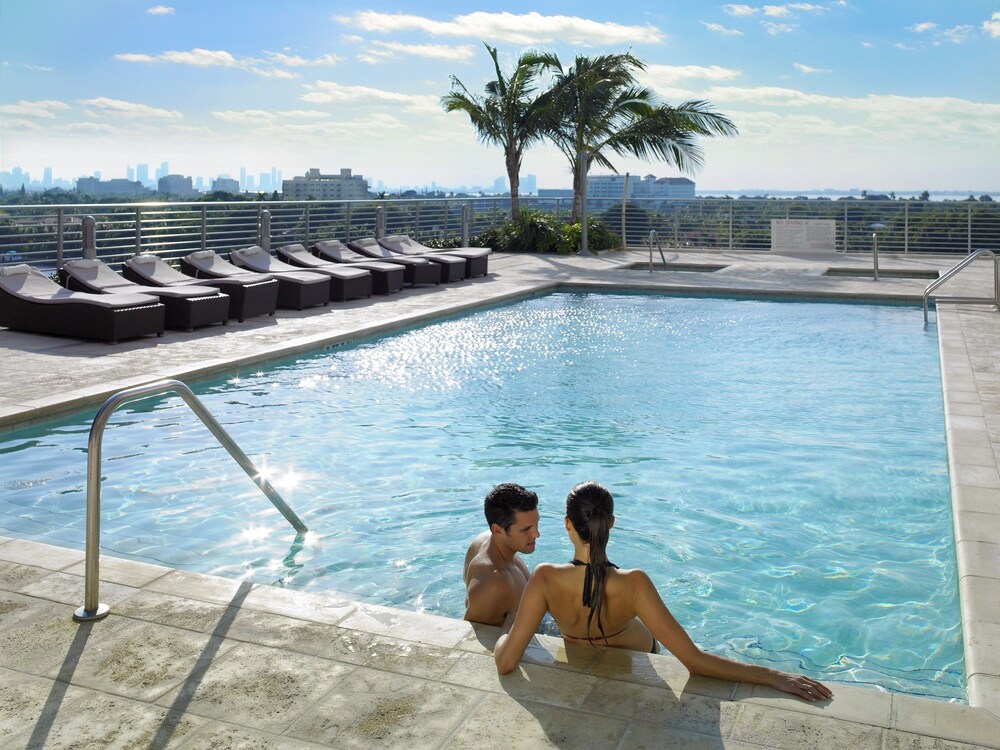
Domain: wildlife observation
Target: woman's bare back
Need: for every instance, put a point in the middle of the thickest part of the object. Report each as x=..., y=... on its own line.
x=563, y=590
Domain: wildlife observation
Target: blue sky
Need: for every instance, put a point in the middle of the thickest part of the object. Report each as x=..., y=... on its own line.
x=880, y=94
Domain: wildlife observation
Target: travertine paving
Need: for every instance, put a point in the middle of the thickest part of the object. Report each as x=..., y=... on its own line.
x=192, y=661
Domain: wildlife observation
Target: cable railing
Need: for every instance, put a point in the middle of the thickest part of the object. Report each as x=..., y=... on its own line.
x=47, y=235
x=92, y=608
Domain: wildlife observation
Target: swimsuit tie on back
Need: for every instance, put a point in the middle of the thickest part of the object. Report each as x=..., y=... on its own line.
x=587, y=579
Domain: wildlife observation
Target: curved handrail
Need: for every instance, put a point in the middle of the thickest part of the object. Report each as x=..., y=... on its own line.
x=958, y=267
x=92, y=608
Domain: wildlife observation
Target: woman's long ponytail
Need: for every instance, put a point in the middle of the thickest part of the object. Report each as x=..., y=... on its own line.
x=590, y=509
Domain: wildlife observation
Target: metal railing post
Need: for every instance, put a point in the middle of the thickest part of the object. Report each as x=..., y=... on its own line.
x=730, y=226
x=138, y=231
x=466, y=224
x=204, y=227
x=92, y=608
x=264, y=230
x=60, y=236
x=308, y=228
x=88, y=237
x=968, y=229
x=380, y=222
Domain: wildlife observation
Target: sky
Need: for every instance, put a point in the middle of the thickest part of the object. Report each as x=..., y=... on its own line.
x=870, y=94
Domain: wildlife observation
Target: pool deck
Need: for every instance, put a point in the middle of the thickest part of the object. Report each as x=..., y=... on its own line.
x=194, y=661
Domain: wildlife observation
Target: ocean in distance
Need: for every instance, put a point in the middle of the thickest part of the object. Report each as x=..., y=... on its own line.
x=950, y=195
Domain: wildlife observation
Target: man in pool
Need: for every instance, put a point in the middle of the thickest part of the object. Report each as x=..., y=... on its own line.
x=495, y=576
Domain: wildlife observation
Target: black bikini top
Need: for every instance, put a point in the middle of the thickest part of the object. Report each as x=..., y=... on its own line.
x=587, y=578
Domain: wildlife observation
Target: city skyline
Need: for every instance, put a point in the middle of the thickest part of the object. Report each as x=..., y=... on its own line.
x=826, y=95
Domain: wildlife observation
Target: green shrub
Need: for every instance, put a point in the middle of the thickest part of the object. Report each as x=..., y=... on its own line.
x=538, y=232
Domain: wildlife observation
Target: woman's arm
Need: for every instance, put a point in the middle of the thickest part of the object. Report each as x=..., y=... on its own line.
x=510, y=646
x=649, y=607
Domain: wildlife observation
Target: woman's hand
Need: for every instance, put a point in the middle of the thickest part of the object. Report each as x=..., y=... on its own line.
x=800, y=685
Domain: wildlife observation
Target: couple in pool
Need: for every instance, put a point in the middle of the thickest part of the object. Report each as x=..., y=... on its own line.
x=591, y=600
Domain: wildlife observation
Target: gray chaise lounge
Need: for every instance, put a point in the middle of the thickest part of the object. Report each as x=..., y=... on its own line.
x=386, y=277
x=31, y=301
x=186, y=307
x=296, y=290
x=343, y=283
x=418, y=270
x=476, y=258
x=249, y=294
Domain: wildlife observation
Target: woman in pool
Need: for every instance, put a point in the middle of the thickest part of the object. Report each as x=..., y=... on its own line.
x=592, y=601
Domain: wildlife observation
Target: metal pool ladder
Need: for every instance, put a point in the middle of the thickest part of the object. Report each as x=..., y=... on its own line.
x=994, y=300
x=653, y=237
x=92, y=608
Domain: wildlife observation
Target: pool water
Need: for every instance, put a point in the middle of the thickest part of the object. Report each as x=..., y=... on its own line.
x=779, y=470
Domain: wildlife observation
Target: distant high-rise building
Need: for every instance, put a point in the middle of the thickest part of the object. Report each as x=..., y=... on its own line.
x=611, y=187
x=142, y=173
x=250, y=183
x=94, y=186
x=243, y=179
x=47, y=177
x=175, y=185
x=130, y=173
x=325, y=187
x=199, y=184
x=529, y=185
x=226, y=184
x=500, y=185
x=264, y=182
x=163, y=171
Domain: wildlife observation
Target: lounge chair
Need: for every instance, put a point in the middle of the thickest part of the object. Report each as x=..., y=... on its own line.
x=386, y=277
x=31, y=301
x=452, y=267
x=295, y=290
x=249, y=294
x=186, y=306
x=416, y=273
x=476, y=258
x=343, y=283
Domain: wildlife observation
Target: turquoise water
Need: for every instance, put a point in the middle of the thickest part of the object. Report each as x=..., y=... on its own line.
x=779, y=469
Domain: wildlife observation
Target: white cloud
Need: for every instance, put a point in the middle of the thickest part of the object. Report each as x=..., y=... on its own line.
x=718, y=28
x=118, y=108
x=272, y=72
x=992, y=27
x=252, y=117
x=665, y=76
x=160, y=10
x=38, y=68
x=807, y=69
x=295, y=61
x=527, y=28
x=330, y=92
x=958, y=34
x=776, y=11
x=202, y=58
x=920, y=28
x=740, y=10
x=436, y=51
x=16, y=123
x=41, y=108
x=778, y=28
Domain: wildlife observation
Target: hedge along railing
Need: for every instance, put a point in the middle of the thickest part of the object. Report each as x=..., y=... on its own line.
x=47, y=235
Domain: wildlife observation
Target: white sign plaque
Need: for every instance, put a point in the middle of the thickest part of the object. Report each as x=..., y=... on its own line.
x=803, y=236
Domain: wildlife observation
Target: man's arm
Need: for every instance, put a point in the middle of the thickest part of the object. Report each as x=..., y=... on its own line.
x=490, y=598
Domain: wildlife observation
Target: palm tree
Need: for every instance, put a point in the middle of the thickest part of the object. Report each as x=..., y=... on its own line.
x=598, y=107
x=508, y=115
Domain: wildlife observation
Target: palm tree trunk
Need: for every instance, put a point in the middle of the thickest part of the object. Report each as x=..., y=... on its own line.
x=514, y=178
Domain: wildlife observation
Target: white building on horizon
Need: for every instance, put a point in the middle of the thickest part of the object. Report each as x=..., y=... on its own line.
x=325, y=187
x=612, y=186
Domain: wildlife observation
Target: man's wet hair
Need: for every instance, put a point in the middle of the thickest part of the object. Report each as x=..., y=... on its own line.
x=505, y=501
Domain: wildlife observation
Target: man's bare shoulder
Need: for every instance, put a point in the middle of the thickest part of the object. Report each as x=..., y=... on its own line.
x=478, y=554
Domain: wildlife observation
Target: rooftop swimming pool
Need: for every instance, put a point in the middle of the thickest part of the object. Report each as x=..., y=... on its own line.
x=779, y=469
